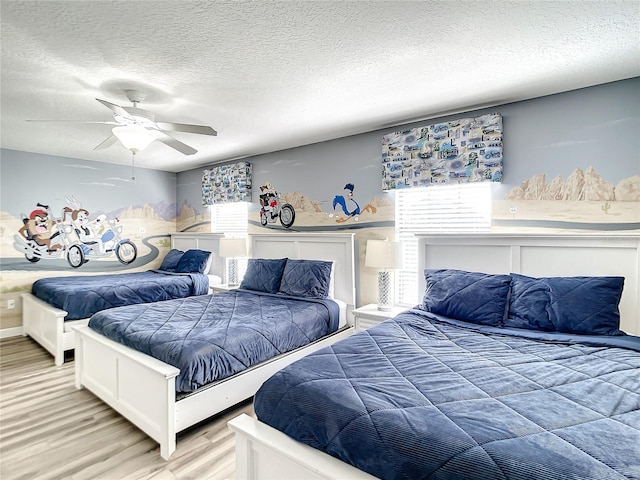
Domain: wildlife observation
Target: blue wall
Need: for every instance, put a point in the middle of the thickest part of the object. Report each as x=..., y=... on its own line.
x=595, y=127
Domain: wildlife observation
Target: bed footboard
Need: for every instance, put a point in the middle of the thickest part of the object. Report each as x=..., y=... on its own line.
x=262, y=452
x=142, y=388
x=139, y=387
x=45, y=324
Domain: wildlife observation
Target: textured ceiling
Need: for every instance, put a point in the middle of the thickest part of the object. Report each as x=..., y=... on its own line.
x=273, y=75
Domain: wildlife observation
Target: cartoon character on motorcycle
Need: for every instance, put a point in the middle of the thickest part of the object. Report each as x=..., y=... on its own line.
x=72, y=237
x=39, y=229
x=272, y=208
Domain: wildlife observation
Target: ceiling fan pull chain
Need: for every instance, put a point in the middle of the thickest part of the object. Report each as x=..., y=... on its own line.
x=133, y=161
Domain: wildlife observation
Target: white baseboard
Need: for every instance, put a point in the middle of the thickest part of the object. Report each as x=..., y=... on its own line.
x=10, y=332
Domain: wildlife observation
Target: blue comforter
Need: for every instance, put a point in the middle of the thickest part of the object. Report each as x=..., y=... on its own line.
x=419, y=397
x=212, y=337
x=83, y=296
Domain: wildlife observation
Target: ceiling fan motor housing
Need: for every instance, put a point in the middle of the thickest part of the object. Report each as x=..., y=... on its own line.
x=140, y=117
x=135, y=96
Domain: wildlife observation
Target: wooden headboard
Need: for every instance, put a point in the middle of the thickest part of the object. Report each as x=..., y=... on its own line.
x=542, y=256
x=336, y=247
x=203, y=241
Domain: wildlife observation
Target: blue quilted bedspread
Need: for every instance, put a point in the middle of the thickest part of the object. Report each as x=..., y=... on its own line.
x=418, y=397
x=81, y=297
x=212, y=337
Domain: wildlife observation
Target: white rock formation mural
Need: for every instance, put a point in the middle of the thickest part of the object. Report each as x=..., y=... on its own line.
x=579, y=185
x=628, y=189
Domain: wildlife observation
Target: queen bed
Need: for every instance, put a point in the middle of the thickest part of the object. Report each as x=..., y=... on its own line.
x=169, y=365
x=57, y=304
x=512, y=366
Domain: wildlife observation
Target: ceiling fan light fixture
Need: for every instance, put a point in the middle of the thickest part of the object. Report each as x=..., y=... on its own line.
x=134, y=137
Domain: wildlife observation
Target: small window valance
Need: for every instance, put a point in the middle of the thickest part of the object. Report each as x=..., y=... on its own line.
x=460, y=151
x=227, y=183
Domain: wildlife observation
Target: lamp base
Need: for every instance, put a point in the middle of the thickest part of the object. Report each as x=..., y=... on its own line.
x=384, y=309
x=385, y=298
x=233, y=272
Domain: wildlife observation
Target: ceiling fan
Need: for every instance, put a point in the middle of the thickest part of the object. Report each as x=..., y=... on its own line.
x=136, y=121
x=137, y=128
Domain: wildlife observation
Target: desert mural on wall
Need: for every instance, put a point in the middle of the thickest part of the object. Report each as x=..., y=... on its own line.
x=100, y=238
x=190, y=219
x=296, y=211
x=73, y=236
x=145, y=229
x=345, y=211
x=82, y=218
x=583, y=202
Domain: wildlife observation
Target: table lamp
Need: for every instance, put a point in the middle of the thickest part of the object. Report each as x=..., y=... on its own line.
x=231, y=249
x=385, y=255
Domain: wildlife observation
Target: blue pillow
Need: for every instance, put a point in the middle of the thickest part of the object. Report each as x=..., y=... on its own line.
x=585, y=305
x=529, y=304
x=170, y=262
x=263, y=274
x=193, y=261
x=306, y=278
x=470, y=296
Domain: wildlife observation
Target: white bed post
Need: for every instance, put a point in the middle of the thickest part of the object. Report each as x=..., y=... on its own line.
x=45, y=324
x=78, y=364
x=168, y=430
x=243, y=458
x=59, y=347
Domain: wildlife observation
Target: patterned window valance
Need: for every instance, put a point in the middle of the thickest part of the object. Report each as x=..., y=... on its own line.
x=466, y=150
x=227, y=183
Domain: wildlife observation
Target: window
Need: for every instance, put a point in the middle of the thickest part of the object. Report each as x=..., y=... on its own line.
x=460, y=208
x=232, y=219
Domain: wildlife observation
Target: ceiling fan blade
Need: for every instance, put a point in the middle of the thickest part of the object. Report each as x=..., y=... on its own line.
x=117, y=109
x=107, y=142
x=185, y=127
x=74, y=121
x=173, y=143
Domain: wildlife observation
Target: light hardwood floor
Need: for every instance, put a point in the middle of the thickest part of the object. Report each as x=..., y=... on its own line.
x=50, y=430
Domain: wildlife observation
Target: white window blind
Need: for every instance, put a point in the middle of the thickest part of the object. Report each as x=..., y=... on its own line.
x=232, y=219
x=460, y=208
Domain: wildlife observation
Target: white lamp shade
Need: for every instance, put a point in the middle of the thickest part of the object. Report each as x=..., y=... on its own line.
x=383, y=254
x=134, y=137
x=233, y=247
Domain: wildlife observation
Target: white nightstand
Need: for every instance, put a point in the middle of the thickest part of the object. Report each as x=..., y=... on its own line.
x=369, y=315
x=222, y=287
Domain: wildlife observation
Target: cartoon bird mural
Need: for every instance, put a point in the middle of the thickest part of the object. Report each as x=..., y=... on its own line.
x=340, y=200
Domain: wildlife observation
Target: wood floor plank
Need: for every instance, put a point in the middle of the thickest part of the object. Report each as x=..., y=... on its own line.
x=51, y=430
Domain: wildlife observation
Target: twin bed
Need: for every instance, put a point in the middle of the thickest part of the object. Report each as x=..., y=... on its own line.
x=168, y=365
x=58, y=304
x=517, y=372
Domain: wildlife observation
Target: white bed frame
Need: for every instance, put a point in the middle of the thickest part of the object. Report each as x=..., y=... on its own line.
x=263, y=452
x=142, y=388
x=45, y=323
